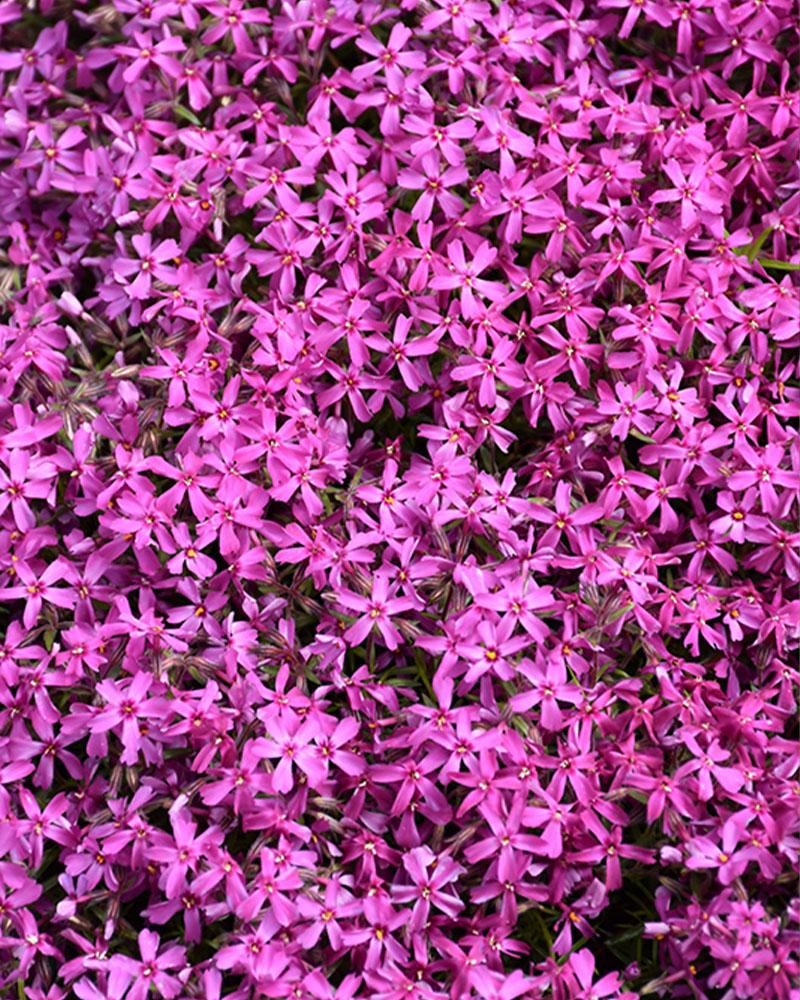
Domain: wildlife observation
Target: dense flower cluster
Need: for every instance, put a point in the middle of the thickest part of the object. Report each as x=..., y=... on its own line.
x=399, y=481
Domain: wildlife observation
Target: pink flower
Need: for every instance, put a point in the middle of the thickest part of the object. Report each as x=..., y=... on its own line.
x=428, y=888
x=147, y=53
x=132, y=978
x=390, y=59
x=127, y=707
x=149, y=265
x=464, y=275
x=376, y=611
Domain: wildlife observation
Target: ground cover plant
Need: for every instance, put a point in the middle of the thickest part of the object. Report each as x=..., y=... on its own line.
x=399, y=478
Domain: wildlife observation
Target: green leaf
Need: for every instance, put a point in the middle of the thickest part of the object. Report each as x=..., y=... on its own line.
x=182, y=112
x=615, y=615
x=422, y=673
x=755, y=247
x=778, y=265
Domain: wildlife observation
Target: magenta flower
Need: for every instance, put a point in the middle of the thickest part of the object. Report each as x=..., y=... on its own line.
x=428, y=887
x=128, y=707
x=150, y=264
x=414, y=786
x=463, y=275
x=24, y=481
x=36, y=590
x=54, y=155
x=376, y=611
x=443, y=140
x=147, y=53
x=390, y=59
x=548, y=686
x=133, y=978
x=498, y=367
x=232, y=19
x=629, y=409
x=563, y=520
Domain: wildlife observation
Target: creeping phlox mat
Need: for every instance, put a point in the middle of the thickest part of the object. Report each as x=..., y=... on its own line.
x=399, y=478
